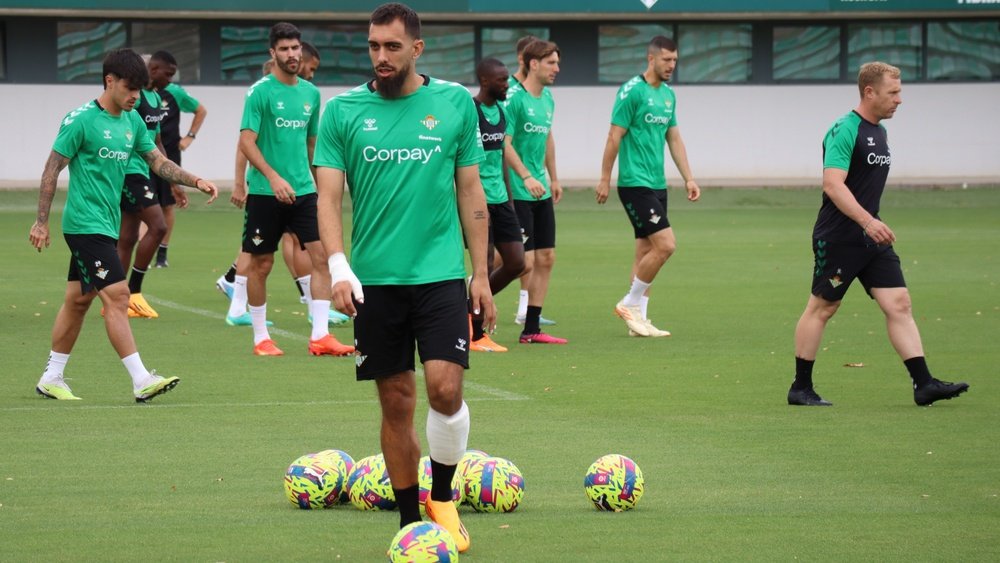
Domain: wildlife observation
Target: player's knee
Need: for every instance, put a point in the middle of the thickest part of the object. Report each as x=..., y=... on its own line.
x=545, y=259
x=899, y=305
x=514, y=267
x=823, y=309
x=156, y=229
x=445, y=396
x=262, y=263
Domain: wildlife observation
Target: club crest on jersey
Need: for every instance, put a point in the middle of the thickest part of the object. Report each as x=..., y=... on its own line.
x=524, y=237
x=359, y=359
x=107, y=133
x=835, y=281
x=370, y=125
x=149, y=194
x=164, y=105
x=668, y=103
x=430, y=122
x=101, y=272
x=128, y=135
x=307, y=108
x=257, y=240
x=653, y=217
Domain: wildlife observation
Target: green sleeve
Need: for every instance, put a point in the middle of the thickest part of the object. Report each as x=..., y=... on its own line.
x=329, y=151
x=470, y=144
x=313, y=126
x=70, y=137
x=185, y=101
x=510, y=111
x=624, y=110
x=253, y=110
x=839, y=145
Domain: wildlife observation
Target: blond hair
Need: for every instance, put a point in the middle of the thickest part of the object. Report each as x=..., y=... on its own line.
x=870, y=74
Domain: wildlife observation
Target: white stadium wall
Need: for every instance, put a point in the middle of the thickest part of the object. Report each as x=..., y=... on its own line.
x=735, y=135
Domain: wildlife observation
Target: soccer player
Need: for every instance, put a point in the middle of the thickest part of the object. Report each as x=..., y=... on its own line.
x=175, y=99
x=408, y=144
x=504, y=231
x=140, y=204
x=851, y=242
x=96, y=141
x=526, y=151
x=644, y=118
x=518, y=77
x=277, y=136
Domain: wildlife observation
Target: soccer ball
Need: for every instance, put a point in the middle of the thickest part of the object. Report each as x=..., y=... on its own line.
x=423, y=541
x=357, y=472
x=465, y=465
x=309, y=485
x=614, y=483
x=341, y=463
x=494, y=484
x=425, y=479
x=370, y=486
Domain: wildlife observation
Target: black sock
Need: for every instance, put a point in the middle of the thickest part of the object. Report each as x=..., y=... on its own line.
x=231, y=274
x=135, y=280
x=441, y=476
x=161, y=252
x=531, y=320
x=803, y=373
x=408, y=501
x=918, y=371
x=476, y=324
x=299, y=286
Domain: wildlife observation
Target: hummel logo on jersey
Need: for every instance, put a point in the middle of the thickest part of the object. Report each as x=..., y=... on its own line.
x=653, y=217
x=281, y=105
x=649, y=101
x=461, y=344
x=531, y=112
x=256, y=240
x=871, y=141
x=107, y=133
x=370, y=125
x=101, y=272
x=430, y=123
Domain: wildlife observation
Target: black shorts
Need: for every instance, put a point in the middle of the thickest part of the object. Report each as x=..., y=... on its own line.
x=396, y=320
x=646, y=209
x=266, y=219
x=837, y=265
x=504, y=226
x=93, y=262
x=538, y=223
x=138, y=194
x=163, y=192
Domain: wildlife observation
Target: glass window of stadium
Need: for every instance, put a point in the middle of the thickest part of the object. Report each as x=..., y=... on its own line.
x=898, y=44
x=501, y=42
x=450, y=53
x=621, y=50
x=806, y=53
x=714, y=53
x=3, y=58
x=181, y=40
x=963, y=50
x=81, y=47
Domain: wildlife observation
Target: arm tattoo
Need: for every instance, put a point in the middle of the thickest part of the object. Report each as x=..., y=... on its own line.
x=167, y=170
x=47, y=190
x=479, y=214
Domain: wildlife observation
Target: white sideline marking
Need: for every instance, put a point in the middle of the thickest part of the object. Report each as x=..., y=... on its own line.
x=161, y=405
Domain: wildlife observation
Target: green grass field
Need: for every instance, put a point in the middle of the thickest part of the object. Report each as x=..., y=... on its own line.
x=732, y=472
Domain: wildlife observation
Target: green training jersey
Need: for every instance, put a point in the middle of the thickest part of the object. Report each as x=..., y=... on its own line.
x=98, y=146
x=284, y=118
x=174, y=99
x=646, y=113
x=491, y=131
x=148, y=108
x=399, y=156
x=529, y=120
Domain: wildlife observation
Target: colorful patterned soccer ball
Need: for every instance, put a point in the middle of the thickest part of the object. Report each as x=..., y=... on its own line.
x=425, y=480
x=423, y=542
x=370, y=486
x=356, y=473
x=614, y=482
x=341, y=463
x=494, y=485
x=465, y=465
x=309, y=485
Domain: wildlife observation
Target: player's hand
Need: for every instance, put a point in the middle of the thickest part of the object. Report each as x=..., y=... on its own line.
x=207, y=188
x=879, y=232
x=185, y=143
x=694, y=192
x=481, y=299
x=345, y=285
x=39, y=236
x=283, y=191
x=179, y=195
x=534, y=187
x=556, y=188
x=602, y=190
x=239, y=195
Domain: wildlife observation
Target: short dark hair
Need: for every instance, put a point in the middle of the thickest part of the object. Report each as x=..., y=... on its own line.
x=487, y=66
x=308, y=50
x=523, y=42
x=163, y=57
x=283, y=30
x=126, y=64
x=661, y=43
x=538, y=50
x=388, y=13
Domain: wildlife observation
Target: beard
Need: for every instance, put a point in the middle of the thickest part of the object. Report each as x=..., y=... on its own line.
x=288, y=66
x=392, y=86
x=498, y=94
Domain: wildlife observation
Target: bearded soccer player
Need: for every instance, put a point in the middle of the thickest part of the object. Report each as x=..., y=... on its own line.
x=278, y=134
x=644, y=118
x=410, y=148
x=526, y=151
x=505, y=231
x=96, y=141
x=850, y=241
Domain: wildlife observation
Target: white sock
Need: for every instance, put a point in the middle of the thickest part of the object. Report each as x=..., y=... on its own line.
x=140, y=375
x=53, y=373
x=238, y=305
x=635, y=293
x=320, y=311
x=522, y=303
x=448, y=436
x=305, y=282
x=258, y=315
x=644, y=305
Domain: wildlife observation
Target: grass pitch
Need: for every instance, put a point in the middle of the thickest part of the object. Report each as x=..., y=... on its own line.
x=732, y=472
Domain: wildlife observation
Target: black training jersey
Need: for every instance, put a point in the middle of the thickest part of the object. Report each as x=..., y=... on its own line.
x=862, y=149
